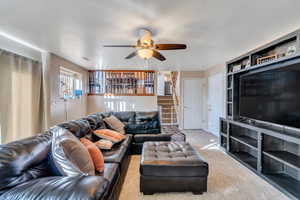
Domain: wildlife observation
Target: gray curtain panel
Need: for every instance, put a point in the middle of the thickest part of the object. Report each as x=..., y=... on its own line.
x=23, y=94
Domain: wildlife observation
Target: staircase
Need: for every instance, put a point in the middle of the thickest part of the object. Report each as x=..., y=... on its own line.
x=167, y=110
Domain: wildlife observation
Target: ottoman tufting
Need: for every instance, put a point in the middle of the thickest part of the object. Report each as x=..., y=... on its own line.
x=172, y=167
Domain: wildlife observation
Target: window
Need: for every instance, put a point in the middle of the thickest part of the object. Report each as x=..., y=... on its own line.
x=70, y=84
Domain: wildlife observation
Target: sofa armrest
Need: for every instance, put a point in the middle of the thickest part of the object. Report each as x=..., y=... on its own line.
x=177, y=135
x=60, y=188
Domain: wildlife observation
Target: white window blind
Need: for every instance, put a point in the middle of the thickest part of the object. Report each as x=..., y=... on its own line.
x=70, y=84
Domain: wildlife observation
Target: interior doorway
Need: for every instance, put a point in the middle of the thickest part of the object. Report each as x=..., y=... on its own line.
x=192, y=103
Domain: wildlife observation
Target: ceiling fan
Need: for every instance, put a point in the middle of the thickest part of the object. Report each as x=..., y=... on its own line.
x=146, y=49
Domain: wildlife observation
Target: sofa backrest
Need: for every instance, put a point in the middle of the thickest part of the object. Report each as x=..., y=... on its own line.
x=127, y=117
x=95, y=121
x=79, y=128
x=141, y=117
x=137, y=122
x=24, y=160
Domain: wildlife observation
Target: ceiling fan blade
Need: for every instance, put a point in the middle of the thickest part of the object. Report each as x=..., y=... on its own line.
x=131, y=55
x=158, y=55
x=133, y=46
x=170, y=46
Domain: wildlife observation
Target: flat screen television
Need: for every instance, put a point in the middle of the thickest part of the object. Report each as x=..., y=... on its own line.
x=272, y=95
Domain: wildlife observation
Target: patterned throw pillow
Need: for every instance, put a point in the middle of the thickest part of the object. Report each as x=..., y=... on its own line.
x=104, y=144
x=110, y=135
x=95, y=153
x=69, y=156
x=115, y=124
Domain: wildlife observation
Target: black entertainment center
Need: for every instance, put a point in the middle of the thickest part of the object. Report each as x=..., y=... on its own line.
x=262, y=125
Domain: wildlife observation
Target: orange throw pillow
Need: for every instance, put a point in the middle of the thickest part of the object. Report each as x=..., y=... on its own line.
x=95, y=153
x=111, y=135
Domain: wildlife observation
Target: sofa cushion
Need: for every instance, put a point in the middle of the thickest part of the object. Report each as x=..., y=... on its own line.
x=60, y=188
x=104, y=144
x=115, y=155
x=148, y=127
x=141, y=117
x=95, y=154
x=125, y=117
x=111, y=135
x=140, y=138
x=172, y=159
x=69, y=156
x=95, y=121
x=111, y=173
x=145, y=122
x=115, y=124
x=24, y=160
x=126, y=142
x=80, y=128
x=177, y=135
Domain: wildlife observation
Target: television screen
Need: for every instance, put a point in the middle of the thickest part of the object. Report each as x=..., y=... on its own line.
x=272, y=96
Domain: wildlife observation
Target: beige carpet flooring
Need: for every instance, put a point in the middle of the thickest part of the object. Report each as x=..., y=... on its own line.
x=228, y=179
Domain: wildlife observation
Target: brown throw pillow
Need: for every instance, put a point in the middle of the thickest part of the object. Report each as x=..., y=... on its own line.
x=70, y=157
x=104, y=144
x=111, y=135
x=95, y=153
x=115, y=124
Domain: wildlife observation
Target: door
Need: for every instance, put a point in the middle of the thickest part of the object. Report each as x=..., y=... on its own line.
x=215, y=103
x=192, y=101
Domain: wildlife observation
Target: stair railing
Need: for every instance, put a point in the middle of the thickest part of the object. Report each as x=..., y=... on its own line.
x=174, y=76
x=160, y=114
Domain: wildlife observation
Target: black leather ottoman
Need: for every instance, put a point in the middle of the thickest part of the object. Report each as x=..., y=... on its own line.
x=172, y=167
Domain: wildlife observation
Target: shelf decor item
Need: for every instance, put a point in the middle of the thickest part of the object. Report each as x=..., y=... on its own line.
x=236, y=68
x=248, y=64
x=267, y=59
x=291, y=50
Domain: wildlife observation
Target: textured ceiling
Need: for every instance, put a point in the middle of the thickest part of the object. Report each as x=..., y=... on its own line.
x=214, y=30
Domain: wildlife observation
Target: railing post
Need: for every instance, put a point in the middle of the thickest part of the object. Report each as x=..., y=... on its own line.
x=160, y=113
x=172, y=121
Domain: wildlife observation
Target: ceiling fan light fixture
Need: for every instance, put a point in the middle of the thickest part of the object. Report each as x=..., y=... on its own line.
x=145, y=53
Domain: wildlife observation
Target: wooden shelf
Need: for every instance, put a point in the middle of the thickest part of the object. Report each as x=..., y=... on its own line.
x=287, y=182
x=287, y=158
x=246, y=140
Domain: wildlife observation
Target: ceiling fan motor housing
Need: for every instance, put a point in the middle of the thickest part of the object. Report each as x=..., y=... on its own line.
x=145, y=40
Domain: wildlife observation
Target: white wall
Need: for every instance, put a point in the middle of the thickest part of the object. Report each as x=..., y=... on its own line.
x=20, y=49
x=160, y=84
x=72, y=109
x=121, y=103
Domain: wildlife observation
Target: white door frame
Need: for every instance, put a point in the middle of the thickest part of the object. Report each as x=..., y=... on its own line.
x=182, y=99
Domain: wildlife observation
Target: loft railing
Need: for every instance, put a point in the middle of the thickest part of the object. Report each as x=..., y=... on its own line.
x=122, y=82
x=174, y=77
